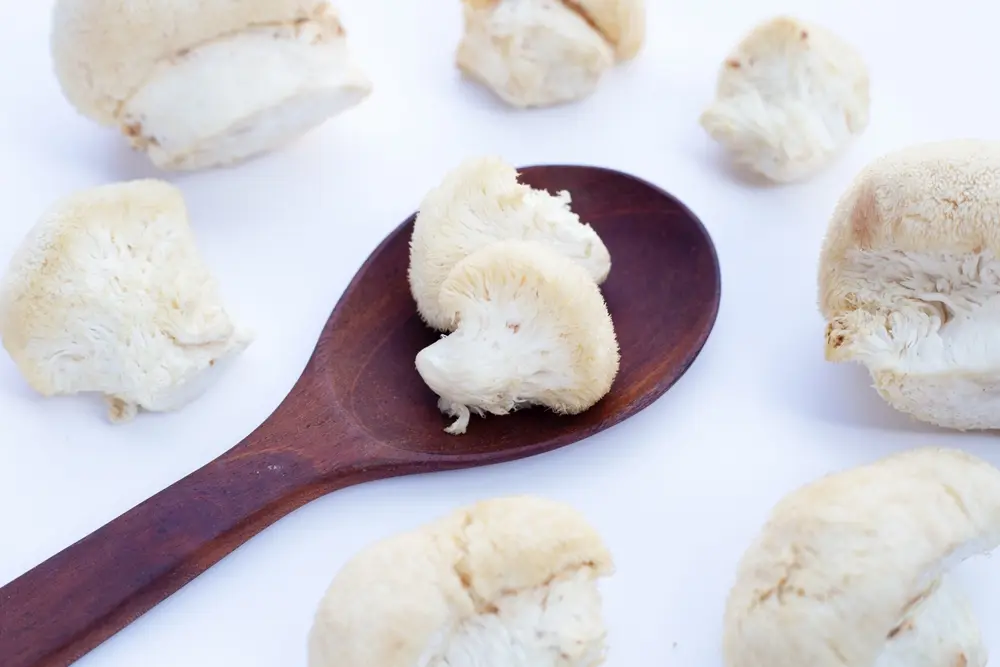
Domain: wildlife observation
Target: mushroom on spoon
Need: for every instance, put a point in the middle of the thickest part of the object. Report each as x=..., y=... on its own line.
x=361, y=412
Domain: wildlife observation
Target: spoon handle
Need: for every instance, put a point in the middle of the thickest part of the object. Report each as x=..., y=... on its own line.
x=74, y=601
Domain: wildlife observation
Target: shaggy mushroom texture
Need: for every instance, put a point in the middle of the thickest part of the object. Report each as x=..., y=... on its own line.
x=481, y=202
x=789, y=99
x=109, y=294
x=533, y=329
x=909, y=281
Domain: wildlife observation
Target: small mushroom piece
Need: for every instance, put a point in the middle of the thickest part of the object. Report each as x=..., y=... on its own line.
x=789, y=98
x=208, y=83
x=481, y=202
x=909, y=281
x=533, y=329
x=852, y=569
x=108, y=293
x=508, y=581
x=535, y=53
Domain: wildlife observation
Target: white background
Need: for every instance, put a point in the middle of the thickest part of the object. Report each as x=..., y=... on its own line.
x=677, y=491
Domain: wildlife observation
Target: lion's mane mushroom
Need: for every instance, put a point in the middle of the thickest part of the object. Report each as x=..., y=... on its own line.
x=508, y=581
x=850, y=570
x=789, y=98
x=205, y=83
x=108, y=293
x=481, y=202
x=533, y=329
x=535, y=53
x=909, y=281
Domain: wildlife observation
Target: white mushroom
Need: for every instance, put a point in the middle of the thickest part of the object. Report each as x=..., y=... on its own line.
x=205, y=83
x=108, y=294
x=850, y=570
x=509, y=581
x=481, y=202
x=535, y=53
x=533, y=329
x=789, y=99
x=909, y=281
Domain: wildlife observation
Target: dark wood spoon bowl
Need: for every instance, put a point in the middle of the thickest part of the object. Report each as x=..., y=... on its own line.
x=361, y=412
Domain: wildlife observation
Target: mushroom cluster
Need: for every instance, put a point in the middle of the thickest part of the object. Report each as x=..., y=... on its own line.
x=197, y=84
x=511, y=275
x=108, y=294
x=507, y=581
x=211, y=83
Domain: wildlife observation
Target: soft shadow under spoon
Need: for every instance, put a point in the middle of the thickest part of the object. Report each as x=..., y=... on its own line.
x=360, y=412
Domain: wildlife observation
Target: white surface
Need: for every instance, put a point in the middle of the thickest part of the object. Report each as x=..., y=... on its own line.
x=678, y=490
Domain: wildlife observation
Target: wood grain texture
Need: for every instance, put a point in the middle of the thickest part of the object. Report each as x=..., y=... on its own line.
x=360, y=412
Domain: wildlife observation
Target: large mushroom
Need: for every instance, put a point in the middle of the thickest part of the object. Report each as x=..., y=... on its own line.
x=478, y=203
x=205, y=83
x=533, y=329
x=109, y=294
x=508, y=581
x=852, y=569
x=789, y=98
x=909, y=280
x=535, y=53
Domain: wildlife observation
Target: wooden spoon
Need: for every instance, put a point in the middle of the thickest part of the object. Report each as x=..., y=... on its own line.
x=361, y=412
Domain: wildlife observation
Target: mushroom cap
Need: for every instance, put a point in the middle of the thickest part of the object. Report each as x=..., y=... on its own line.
x=533, y=329
x=104, y=50
x=909, y=280
x=506, y=581
x=936, y=197
x=847, y=569
x=789, y=98
x=108, y=293
x=481, y=202
x=532, y=53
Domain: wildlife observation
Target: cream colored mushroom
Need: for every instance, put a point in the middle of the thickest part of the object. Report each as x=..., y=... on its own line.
x=533, y=329
x=509, y=581
x=108, y=293
x=851, y=570
x=789, y=99
x=481, y=202
x=205, y=83
x=909, y=281
x=535, y=53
